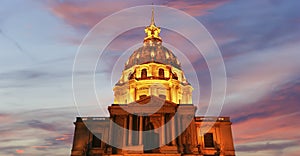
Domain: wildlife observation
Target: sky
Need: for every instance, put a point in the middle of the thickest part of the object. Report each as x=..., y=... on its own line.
x=258, y=39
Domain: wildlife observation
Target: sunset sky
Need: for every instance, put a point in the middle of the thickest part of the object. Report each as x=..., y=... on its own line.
x=259, y=41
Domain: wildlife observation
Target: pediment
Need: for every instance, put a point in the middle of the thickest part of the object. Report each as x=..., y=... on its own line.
x=152, y=101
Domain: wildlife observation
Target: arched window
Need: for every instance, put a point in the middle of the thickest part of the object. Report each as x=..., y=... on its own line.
x=130, y=76
x=175, y=76
x=144, y=73
x=161, y=73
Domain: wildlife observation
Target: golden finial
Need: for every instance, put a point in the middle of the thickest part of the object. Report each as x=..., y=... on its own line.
x=152, y=31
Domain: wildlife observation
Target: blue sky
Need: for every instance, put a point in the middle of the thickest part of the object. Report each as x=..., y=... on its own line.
x=259, y=41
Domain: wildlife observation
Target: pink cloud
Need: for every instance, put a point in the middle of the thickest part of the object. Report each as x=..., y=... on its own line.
x=267, y=129
x=197, y=8
x=87, y=14
x=37, y=136
x=271, y=124
x=19, y=151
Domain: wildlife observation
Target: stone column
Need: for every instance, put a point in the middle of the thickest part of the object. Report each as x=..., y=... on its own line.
x=179, y=128
x=130, y=131
x=124, y=131
x=162, y=141
x=173, y=131
x=111, y=129
x=141, y=131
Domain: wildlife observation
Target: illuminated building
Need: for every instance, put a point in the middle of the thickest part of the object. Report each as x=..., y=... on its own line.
x=152, y=92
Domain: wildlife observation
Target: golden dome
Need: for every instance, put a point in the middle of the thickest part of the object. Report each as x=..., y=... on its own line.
x=153, y=70
x=153, y=51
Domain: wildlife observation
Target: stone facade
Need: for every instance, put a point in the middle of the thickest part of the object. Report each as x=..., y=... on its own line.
x=201, y=136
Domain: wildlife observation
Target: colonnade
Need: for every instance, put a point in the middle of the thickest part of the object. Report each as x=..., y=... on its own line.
x=166, y=131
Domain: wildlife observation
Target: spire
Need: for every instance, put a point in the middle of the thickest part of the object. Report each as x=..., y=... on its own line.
x=152, y=31
x=152, y=17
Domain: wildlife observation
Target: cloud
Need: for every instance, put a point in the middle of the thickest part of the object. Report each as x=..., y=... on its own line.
x=270, y=124
x=84, y=15
x=37, y=132
x=14, y=81
x=266, y=146
x=41, y=125
x=22, y=75
x=19, y=151
x=196, y=8
x=255, y=74
x=238, y=29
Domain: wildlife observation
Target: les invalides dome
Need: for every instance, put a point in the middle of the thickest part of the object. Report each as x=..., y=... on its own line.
x=153, y=70
x=152, y=77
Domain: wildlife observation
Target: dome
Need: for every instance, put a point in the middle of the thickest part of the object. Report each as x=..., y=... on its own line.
x=152, y=70
x=153, y=51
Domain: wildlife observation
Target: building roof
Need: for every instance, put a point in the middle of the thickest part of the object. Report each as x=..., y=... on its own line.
x=153, y=51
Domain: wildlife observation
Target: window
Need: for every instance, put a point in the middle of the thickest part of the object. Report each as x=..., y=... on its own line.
x=208, y=140
x=96, y=142
x=144, y=73
x=161, y=73
x=175, y=76
x=130, y=76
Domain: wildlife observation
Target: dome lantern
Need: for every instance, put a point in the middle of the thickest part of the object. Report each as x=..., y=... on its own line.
x=152, y=31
